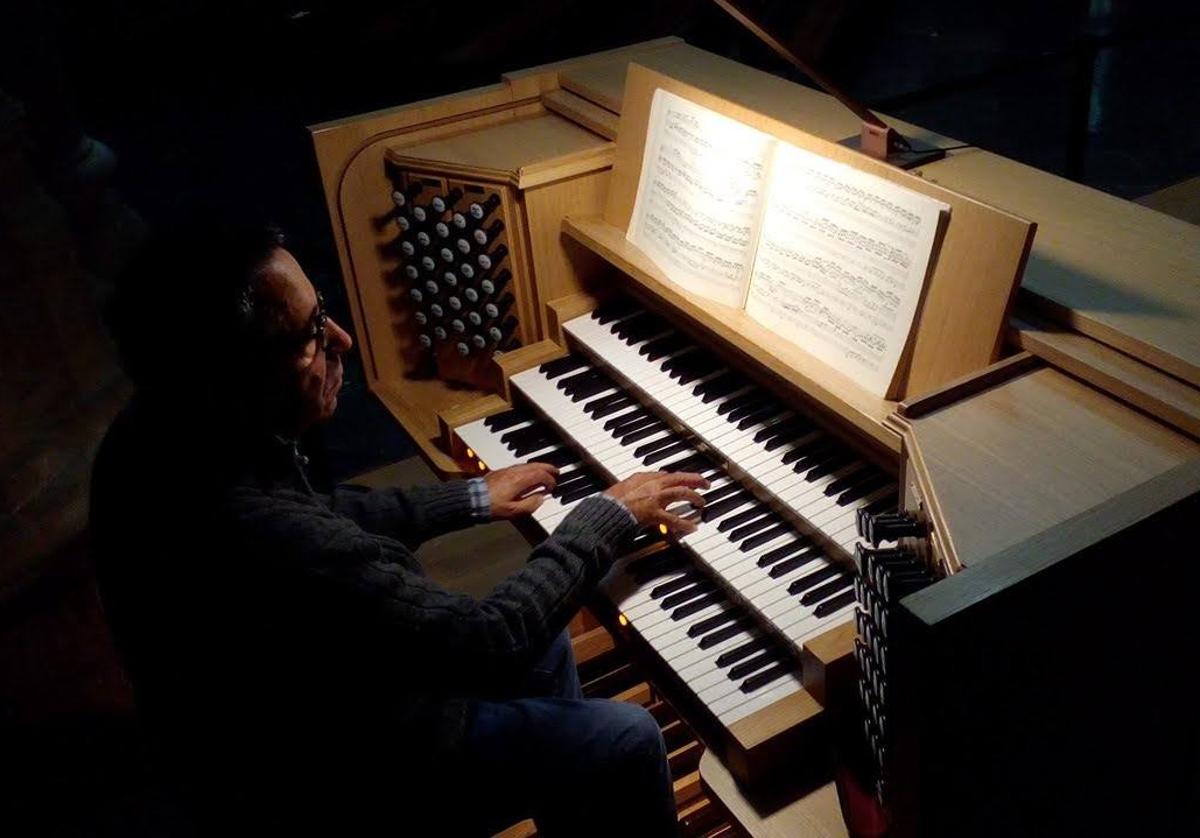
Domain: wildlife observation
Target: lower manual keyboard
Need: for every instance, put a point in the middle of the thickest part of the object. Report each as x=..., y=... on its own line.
x=711, y=643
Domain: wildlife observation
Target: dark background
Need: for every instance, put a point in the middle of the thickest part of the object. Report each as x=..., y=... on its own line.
x=206, y=103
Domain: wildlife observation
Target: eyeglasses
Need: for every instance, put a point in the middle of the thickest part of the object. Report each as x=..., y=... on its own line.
x=316, y=326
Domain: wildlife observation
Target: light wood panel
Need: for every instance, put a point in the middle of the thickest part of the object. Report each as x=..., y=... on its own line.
x=524, y=152
x=582, y=112
x=959, y=327
x=741, y=334
x=814, y=813
x=1158, y=394
x=534, y=81
x=561, y=267
x=1123, y=274
x=1031, y=453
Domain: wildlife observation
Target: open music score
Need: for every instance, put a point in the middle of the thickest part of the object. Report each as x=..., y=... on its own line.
x=829, y=257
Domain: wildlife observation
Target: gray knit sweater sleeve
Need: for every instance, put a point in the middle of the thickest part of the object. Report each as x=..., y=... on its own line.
x=454, y=640
x=413, y=515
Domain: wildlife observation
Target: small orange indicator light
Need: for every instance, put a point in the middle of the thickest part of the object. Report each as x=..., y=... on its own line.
x=470, y=453
x=482, y=465
x=622, y=619
x=662, y=528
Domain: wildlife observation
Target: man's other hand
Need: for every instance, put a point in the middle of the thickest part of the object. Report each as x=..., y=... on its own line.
x=648, y=494
x=509, y=489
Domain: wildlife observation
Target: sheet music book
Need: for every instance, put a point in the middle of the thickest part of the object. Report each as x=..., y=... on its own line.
x=831, y=258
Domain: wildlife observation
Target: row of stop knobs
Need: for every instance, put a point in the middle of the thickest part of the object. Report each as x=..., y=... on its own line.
x=455, y=278
x=885, y=575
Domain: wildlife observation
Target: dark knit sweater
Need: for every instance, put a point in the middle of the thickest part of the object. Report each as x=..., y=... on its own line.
x=291, y=630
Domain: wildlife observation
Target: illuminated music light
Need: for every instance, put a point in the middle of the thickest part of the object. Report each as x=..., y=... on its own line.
x=470, y=453
x=662, y=528
x=622, y=619
x=482, y=465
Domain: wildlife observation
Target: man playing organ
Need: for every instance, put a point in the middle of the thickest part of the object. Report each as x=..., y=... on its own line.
x=293, y=663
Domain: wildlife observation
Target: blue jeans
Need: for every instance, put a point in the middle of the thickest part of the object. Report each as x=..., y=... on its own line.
x=577, y=766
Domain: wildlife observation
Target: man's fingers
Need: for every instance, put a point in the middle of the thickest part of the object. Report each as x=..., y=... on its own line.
x=689, y=479
x=529, y=504
x=540, y=474
x=675, y=493
x=676, y=524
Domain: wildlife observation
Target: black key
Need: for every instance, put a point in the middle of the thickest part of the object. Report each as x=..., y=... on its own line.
x=753, y=664
x=642, y=433
x=507, y=419
x=726, y=382
x=635, y=425
x=792, y=425
x=781, y=553
x=821, y=592
x=812, y=579
x=622, y=328
x=856, y=475
x=799, y=560
x=697, y=605
x=681, y=360
x=714, y=495
x=536, y=444
x=862, y=489
x=830, y=605
x=686, y=375
x=783, y=439
x=573, y=381
x=651, y=447
x=610, y=311
x=561, y=457
x=583, y=492
x=651, y=567
x=613, y=407
x=697, y=462
x=715, y=510
x=719, y=387
x=588, y=390
x=714, y=622
x=759, y=680
x=737, y=401
x=732, y=656
x=660, y=591
x=606, y=401
x=571, y=483
x=758, y=417
x=765, y=537
x=818, y=444
x=701, y=586
x=748, y=408
x=665, y=453
x=663, y=346
x=755, y=526
x=521, y=434
x=559, y=366
x=829, y=466
x=721, y=635
x=629, y=417
x=742, y=517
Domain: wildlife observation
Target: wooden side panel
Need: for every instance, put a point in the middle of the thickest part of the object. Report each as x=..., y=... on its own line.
x=558, y=265
x=1120, y=273
x=1030, y=453
x=960, y=325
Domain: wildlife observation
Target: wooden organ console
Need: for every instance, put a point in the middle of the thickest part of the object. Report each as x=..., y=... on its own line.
x=962, y=596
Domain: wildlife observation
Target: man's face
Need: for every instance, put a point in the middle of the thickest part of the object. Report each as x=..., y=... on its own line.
x=311, y=377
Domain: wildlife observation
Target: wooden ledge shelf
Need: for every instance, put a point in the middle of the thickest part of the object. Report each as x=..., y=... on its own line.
x=820, y=383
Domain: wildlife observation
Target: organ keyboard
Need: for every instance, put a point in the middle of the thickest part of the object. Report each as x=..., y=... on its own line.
x=905, y=567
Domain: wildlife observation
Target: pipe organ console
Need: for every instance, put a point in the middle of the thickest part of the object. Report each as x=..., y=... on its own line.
x=968, y=600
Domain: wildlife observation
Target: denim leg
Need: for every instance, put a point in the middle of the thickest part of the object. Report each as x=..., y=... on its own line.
x=555, y=675
x=578, y=767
